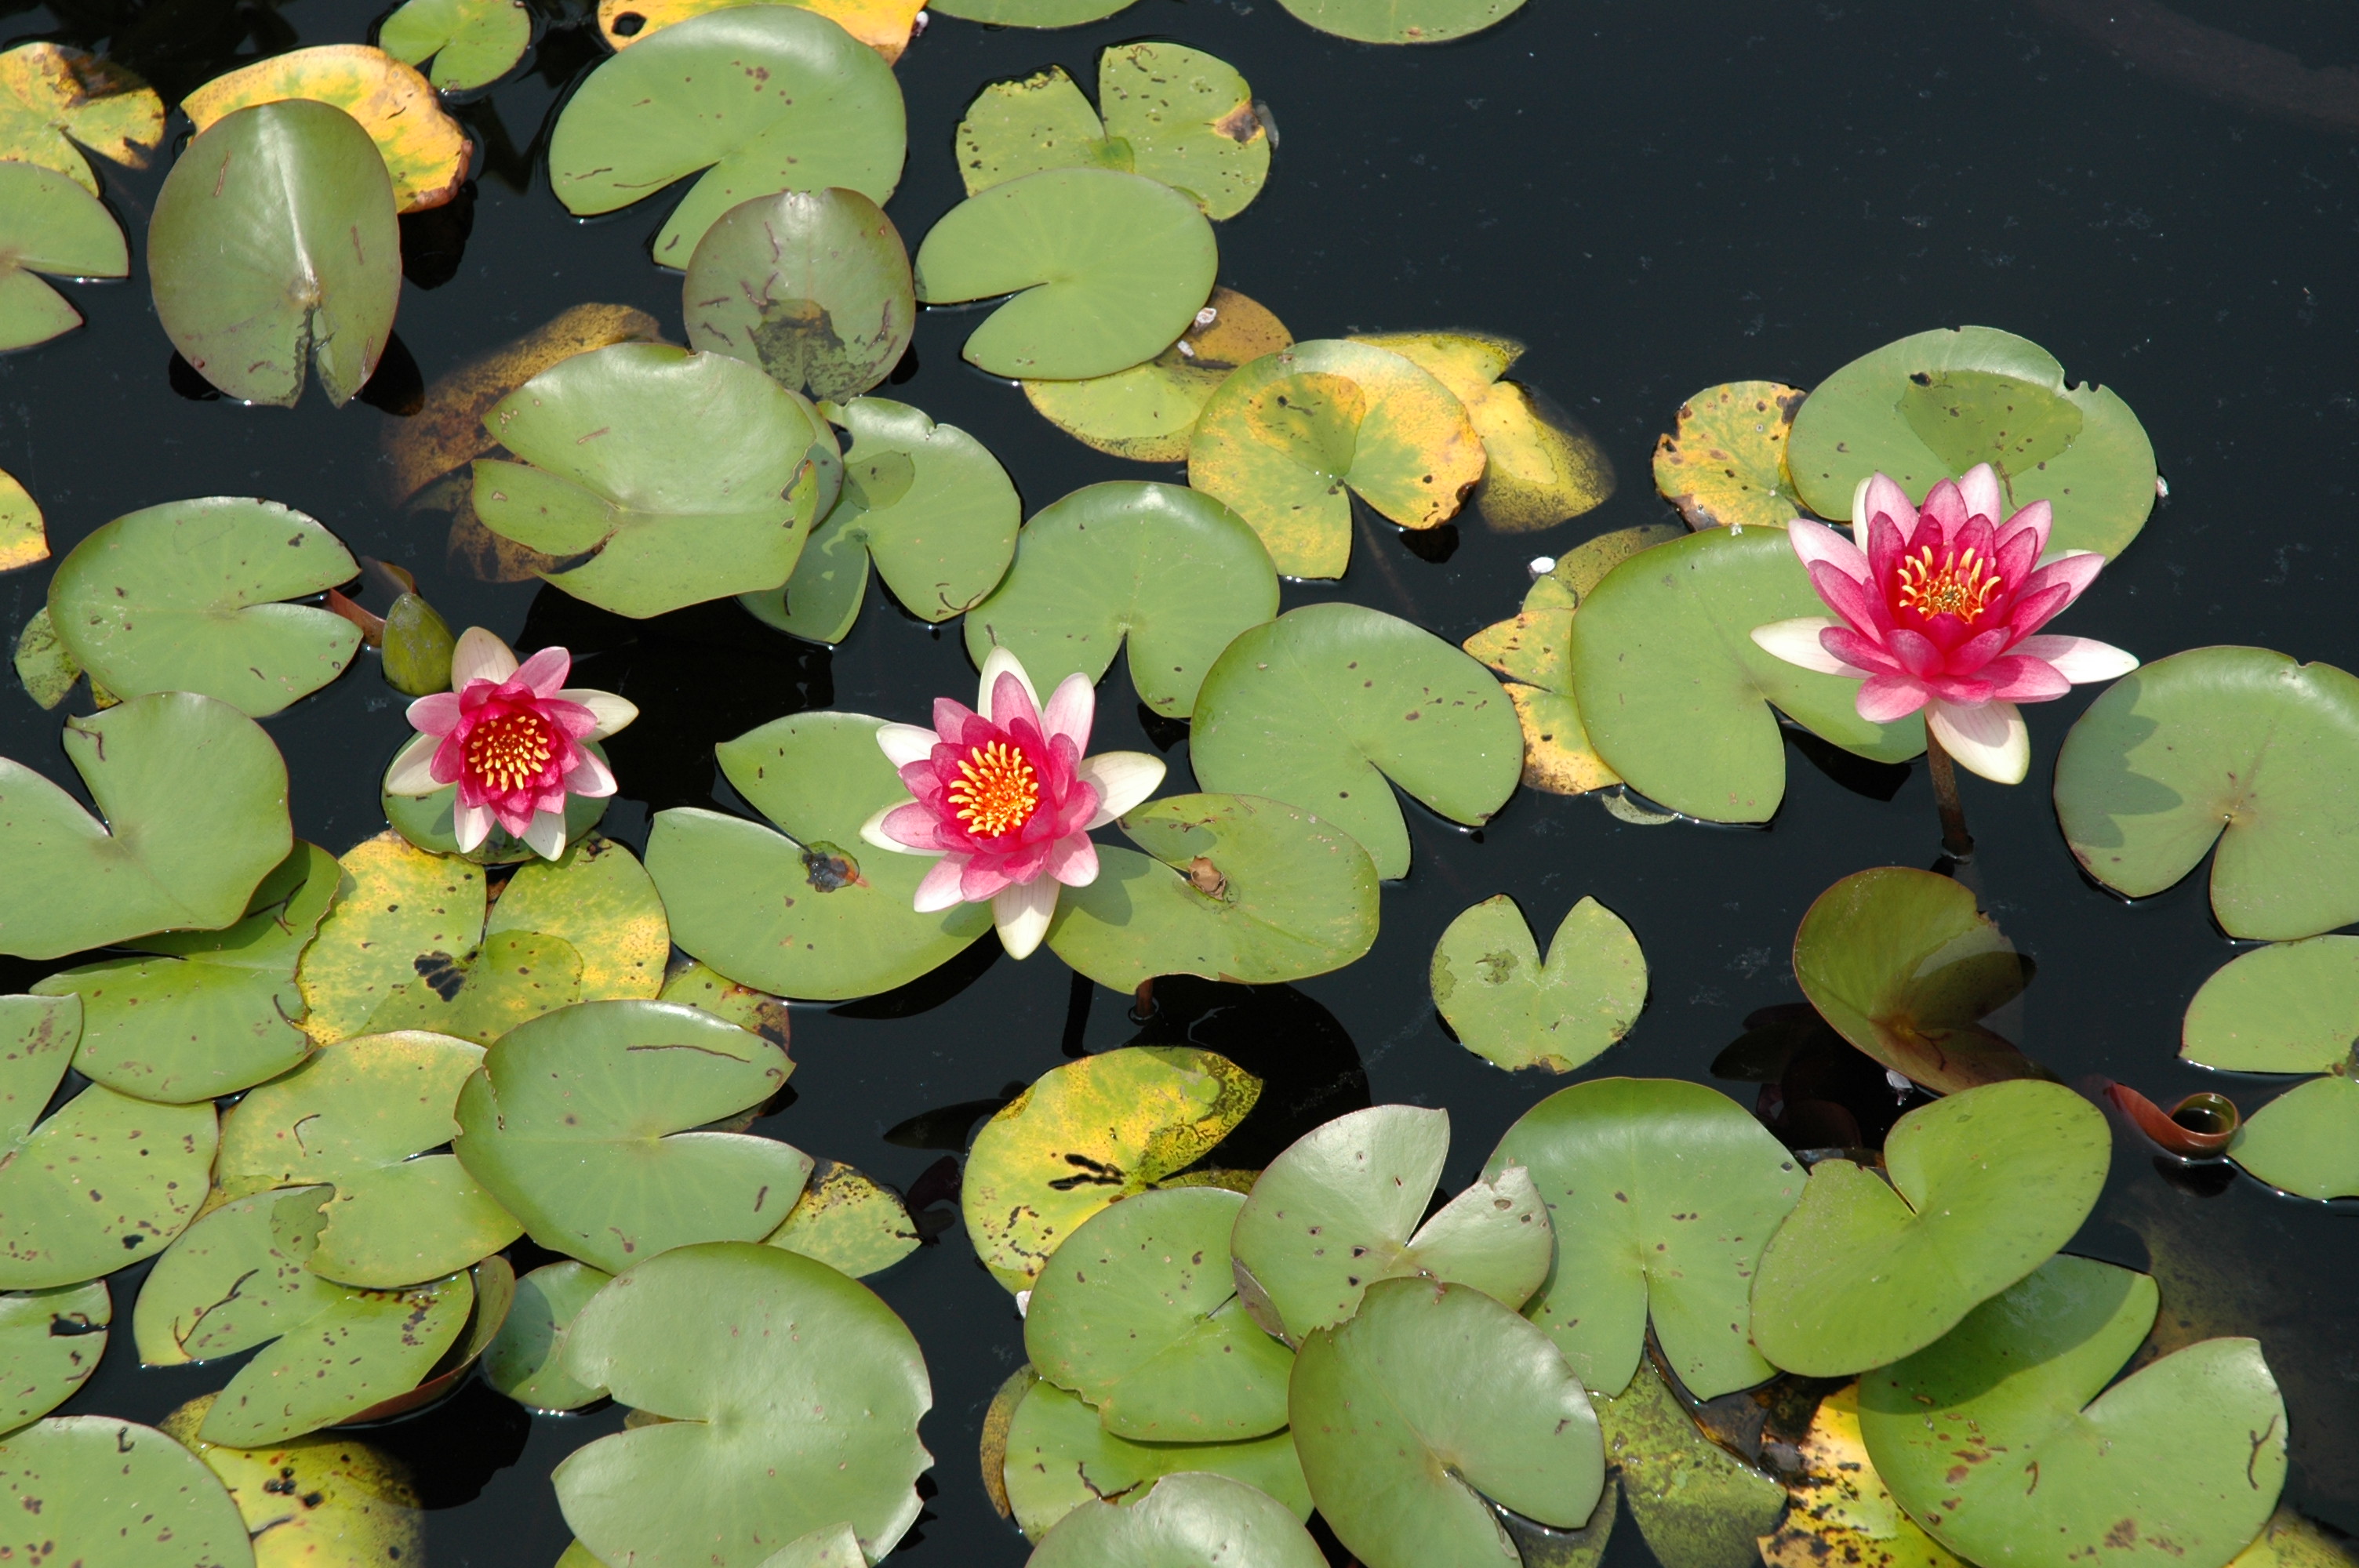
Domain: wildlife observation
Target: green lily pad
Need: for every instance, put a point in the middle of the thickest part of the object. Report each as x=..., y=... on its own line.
x=1108, y=269
x=1933, y=405
x=727, y=882
x=1697, y=1504
x=106, y=1180
x=2293, y=1008
x=1903, y=967
x=1321, y=707
x=237, y=1278
x=693, y=984
x=1402, y=21
x=274, y=248
x=425, y=820
x=812, y=286
x=1662, y=1195
x=104, y=1493
x=194, y=800
x=791, y=1394
x=830, y=1546
x=1060, y=1458
x=212, y=1012
x=1335, y=1214
x=925, y=502
x=50, y=224
x=2238, y=744
x=1147, y=413
x=473, y=43
x=766, y=97
x=601, y=902
x=691, y=476
x=1138, y=1314
x=581, y=1123
x=1504, y=1004
x=514, y=977
x=1978, y=1190
x=1284, y=439
x=1032, y=12
x=325, y=1500
x=2180, y=1463
x=399, y=912
x=1400, y=1460
x=851, y=1223
x=50, y=1342
x=1724, y=464
x=1088, y=1134
x=1169, y=569
x=1184, y=1522
x=1232, y=888
x=527, y=1360
x=1674, y=692
x=361, y=1114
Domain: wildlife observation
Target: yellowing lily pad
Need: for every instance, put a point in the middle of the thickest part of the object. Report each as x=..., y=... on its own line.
x=1723, y=465
x=1698, y=1505
x=473, y=43
x=1147, y=413
x=23, y=538
x=849, y=1222
x=1843, y=1512
x=425, y=151
x=399, y=915
x=55, y=100
x=50, y=224
x=884, y=26
x=599, y=901
x=313, y=1502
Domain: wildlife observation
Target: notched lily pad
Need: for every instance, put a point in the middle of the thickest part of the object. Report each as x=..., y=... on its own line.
x=400, y=913
x=1060, y=1458
x=1506, y=1005
x=55, y=100
x=852, y=1223
x=473, y=43
x=50, y=224
x=2293, y=1008
x=1723, y=464
x=1147, y=413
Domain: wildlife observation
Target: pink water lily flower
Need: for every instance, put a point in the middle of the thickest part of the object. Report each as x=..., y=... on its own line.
x=1006, y=798
x=1940, y=609
x=509, y=736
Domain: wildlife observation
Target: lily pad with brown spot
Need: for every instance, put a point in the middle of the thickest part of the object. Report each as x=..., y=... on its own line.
x=50, y=1342
x=884, y=26
x=23, y=538
x=599, y=899
x=1723, y=464
x=812, y=286
x=317, y=1501
x=1508, y=1006
x=399, y=914
x=1147, y=413
x=1697, y=1505
x=854, y=1224
x=56, y=101
x=99, y=1491
x=426, y=154
x=1843, y=1512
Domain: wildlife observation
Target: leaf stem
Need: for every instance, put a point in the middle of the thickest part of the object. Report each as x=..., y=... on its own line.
x=1955, y=840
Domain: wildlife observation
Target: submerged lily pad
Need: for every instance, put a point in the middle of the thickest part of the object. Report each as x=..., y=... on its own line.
x=1184, y=1522
x=1171, y=569
x=426, y=154
x=1402, y=21
x=50, y=1342
x=791, y=1397
x=50, y=224
x=321, y=1502
x=1400, y=1460
x=1285, y=437
x=1323, y=706
x=1662, y=1195
x=2238, y=744
x=185, y=597
x=1088, y=1134
x=1108, y=269
x=194, y=797
x=1059, y=1458
x=1335, y=1214
x=812, y=286
x=527, y=1360
x=925, y=502
x=1232, y=888
x=55, y=100
x=1903, y=967
x=274, y=248
x=1698, y=1505
x=1675, y=695
x=1723, y=464
x=1843, y=1511
x=1505, y=1004
x=473, y=43
x=762, y=97
x=852, y=1223
x=1147, y=413
x=1997, y=1440
x=1978, y=1190
x=2289, y=1009
x=1933, y=405
x=691, y=476
x=112, y=1494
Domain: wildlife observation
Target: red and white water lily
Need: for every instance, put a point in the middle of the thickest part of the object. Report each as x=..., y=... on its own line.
x=1941, y=609
x=509, y=735
x=1005, y=797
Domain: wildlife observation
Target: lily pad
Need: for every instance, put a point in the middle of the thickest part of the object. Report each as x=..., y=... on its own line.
x=1674, y=693
x=791, y=1397
x=599, y=899
x=1903, y=967
x=925, y=502
x=1032, y=12
x=1978, y=1190
x=1697, y=1505
x=1184, y=1521
x=691, y=476
x=1232, y=888
x=473, y=43
x=1108, y=269
x=1139, y=1314
x=697, y=985
x=427, y=822
x=758, y=907
x=2181, y=1462
x=2289, y=1009
x=361, y=1114
x=1402, y=21
x=185, y=597
x=1933, y=405
x=426, y=154
x=1089, y=1134
x=50, y=1342
x=1401, y=1461
x=1505, y=1004
x=94, y=1491
x=1060, y=1458
x=399, y=912
x=1323, y=706
x=852, y=1223
x=1285, y=438
x=527, y=1360
x=1843, y=1511
x=1335, y=1214
x=1171, y=570
x=1147, y=413
x=812, y=286
x=514, y=977
x=273, y=246
x=582, y=1123
x=50, y=224
x=764, y=97
x=322, y=1502
x=24, y=540
x=1723, y=464
x=884, y=26
x=55, y=100
x=2238, y=744
x=1662, y=1195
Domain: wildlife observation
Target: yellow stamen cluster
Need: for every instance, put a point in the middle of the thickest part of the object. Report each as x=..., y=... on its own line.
x=1961, y=586
x=996, y=790
x=511, y=751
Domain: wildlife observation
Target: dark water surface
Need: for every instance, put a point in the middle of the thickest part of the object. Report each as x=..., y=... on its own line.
x=1655, y=199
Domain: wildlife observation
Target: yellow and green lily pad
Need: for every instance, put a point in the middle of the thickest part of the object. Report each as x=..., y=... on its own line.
x=425, y=153
x=601, y=902
x=315, y=1502
x=1843, y=1511
x=1147, y=413
x=24, y=538
x=1723, y=463
x=852, y=1223
x=399, y=912
x=56, y=101
x=1698, y=1505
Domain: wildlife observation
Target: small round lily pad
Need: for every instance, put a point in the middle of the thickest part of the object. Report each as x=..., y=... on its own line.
x=1185, y=1520
x=1505, y=1004
x=812, y=286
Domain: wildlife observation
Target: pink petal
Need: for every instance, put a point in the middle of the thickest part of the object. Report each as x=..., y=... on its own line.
x=1945, y=505
x=2020, y=678
x=1917, y=653
x=1969, y=656
x=2034, y=611
x=1859, y=652
x=437, y=713
x=578, y=722
x=470, y=824
x=1883, y=699
x=913, y=826
x=938, y=889
x=545, y=672
x=1815, y=542
x=1011, y=703
x=1979, y=488
x=978, y=882
x=1879, y=496
x=2074, y=573
x=2080, y=659
x=2035, y=520
x=590, y=777
x=412, y=773
x=1073, y=860
x=1848, y=598
x=1799, y=642
x=1073, y=708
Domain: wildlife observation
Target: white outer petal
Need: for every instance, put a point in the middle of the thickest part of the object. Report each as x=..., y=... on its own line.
x=872, y=830
x=1000, y=662
x=547, y=834
x=1022, y=910
x=470, y=824
x=611, y=712
x=1072, y=708
x=1979, y=485
x=1987, y=738
x=2080, y=660
x=905, y=743
x=412, y=774
x=1122, y=779
x=1797, y=642
x=479, y=655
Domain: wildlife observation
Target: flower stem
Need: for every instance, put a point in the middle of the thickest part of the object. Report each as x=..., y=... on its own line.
x=1958, y=843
